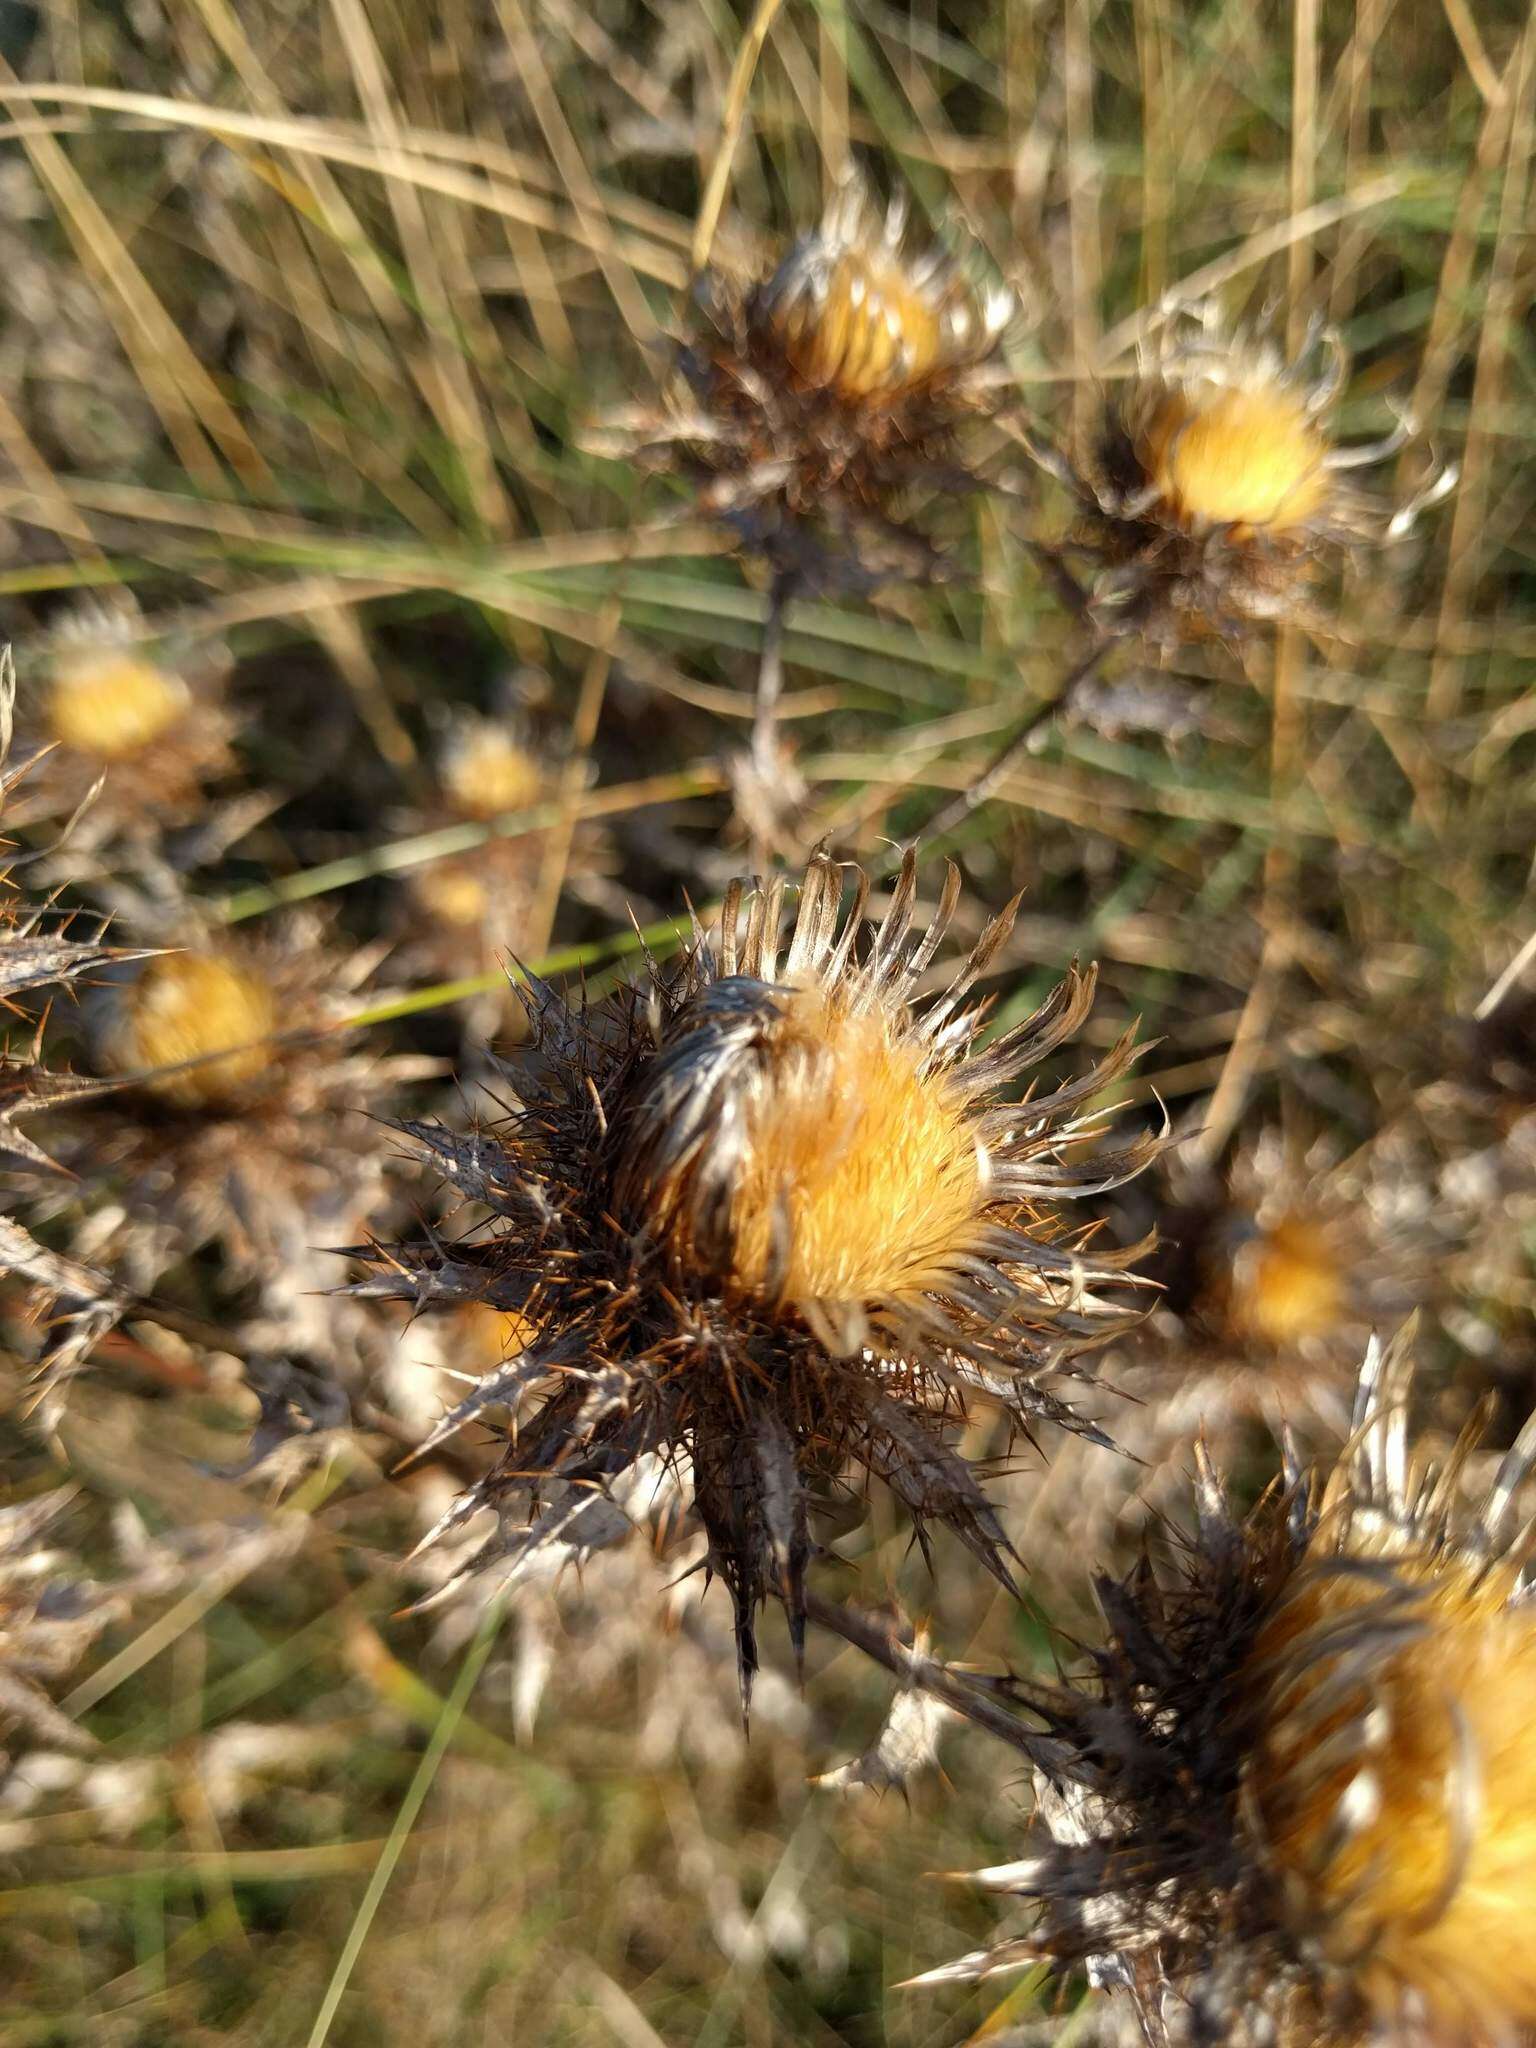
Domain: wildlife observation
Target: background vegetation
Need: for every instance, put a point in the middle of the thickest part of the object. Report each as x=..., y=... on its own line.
x=307, y=312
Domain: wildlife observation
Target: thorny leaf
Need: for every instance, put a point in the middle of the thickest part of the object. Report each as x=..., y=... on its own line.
x=907, y=1744
x=935, y=1483
x=498, y=1389
x=32, y=958
x=80, y=1304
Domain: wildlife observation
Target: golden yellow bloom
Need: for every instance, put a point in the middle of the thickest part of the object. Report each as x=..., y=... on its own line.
x=1295, y=1797
x=486, y=773
x=111, y=703
x=869, y=332
x=1285, y=1286
x=1428, y=1892
x=1215, y=487
x=773, y=1210
x=1250, y=459
x=188, y=1006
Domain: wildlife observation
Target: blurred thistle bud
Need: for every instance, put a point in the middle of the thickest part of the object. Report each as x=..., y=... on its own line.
x=770, y=1211
x=205, y=1008
x=1216, y=487
x=486, y=771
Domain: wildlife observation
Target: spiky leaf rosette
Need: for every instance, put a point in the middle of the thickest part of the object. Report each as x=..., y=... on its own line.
x=1296, y=1801
x=813, y=401
x=768, y=1211
x=1216, y=486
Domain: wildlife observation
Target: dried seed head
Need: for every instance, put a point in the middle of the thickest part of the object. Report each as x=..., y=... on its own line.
x=1249, y=459
x=110, y=702
x=1407, y=1851
x=1285, y=1286
x=1216, y=487
x=810, y=403
x=485, y=773
x=1296, y=1801
x=189, y=1006
x=772, y=1213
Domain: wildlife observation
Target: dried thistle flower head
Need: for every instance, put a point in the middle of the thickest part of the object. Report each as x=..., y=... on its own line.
x=110, y=702
x=1217, y=486
x=816, y=399
x=1297, y=1800
x=770, y=1212
x=1271, y=1275
x=149, y=715
x=189, y=1007
x=262, y=1141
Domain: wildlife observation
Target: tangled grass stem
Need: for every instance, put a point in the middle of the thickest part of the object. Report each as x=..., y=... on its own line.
x=959, y=808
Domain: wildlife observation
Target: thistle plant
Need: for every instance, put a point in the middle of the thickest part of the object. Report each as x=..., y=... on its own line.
x=769, y=1212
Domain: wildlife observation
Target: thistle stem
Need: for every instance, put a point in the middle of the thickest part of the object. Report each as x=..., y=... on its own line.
x=960, y=808
x=880, y=1638
x=770, y=670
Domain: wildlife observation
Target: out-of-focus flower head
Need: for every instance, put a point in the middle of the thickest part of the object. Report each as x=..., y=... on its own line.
x=246, y=1117
x=1272, y=1273
x=814, y=402
x=1216, y=487
x=1295, y=1801
x=768, y=1212
x=145, y=719
x=471, y=908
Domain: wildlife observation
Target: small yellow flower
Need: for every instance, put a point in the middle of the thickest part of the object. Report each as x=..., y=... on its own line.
x=1253, y=460
x=111, y=703
x=485, y=773
x=1286, y=1286
x=190, y=1006
x=1216, y=486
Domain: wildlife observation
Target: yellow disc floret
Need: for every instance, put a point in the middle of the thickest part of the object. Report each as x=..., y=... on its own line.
x=454, y=892
x=1412, y=1858
x=861, y=1180
x=1249, y=457
x=486, y=773
x=871, y=333
x=112, y=703
x=189, y=1006
x=1286, y=1286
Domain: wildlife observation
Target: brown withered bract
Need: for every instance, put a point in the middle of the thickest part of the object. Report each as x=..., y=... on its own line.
x=768, y=1213
x=810, y=404
x=1216, y=488
x=1295, y=1802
